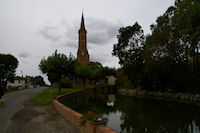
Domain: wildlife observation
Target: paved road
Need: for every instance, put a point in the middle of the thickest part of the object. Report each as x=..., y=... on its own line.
x=13, y=103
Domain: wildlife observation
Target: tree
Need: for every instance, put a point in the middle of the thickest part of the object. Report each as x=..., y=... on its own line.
x=93, y=71
x=8, y=65
x=165, y=52
x=129, y=51
x=186, y=20
x=172, y=46
x=130, y=43
x=38, y=80
x=163, y=59
x=108, y=71
x=84, y=73
x=96, y=68
x=57, y=65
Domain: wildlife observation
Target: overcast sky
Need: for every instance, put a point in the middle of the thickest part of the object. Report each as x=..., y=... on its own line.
x=33, y=29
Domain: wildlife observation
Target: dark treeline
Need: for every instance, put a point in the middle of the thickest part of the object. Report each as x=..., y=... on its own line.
x=168, y=58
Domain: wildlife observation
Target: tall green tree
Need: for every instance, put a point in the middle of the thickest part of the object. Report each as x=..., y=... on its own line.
x=83, y=73
x=8, y=65
x=38, y=80
x=165, y=52
x=96, y=72
x=186, y=20
x=129, y=51
x=166, y=56
x=173, y=45
x=57, y=65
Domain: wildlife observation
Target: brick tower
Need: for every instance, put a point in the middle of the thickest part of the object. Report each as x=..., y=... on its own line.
x=82, y=54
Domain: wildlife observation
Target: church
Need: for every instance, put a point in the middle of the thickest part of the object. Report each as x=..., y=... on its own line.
x=82, y=54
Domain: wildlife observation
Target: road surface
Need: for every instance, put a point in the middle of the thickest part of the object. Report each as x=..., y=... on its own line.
x=13, y=103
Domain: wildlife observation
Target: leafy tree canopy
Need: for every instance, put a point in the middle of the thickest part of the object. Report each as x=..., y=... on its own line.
x=168, y=58
x=38, y=80
x=57, y=65
x=8, y=65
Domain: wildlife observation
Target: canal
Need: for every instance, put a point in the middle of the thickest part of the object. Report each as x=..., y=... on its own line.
x=128, y=114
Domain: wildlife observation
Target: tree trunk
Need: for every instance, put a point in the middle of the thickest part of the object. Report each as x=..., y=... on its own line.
x=59, y=89
x=57, y=85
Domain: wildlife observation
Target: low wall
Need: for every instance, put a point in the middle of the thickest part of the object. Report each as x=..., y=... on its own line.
x=180, y=97
x=75, y=118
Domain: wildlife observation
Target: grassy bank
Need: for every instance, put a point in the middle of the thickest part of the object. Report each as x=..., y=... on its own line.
x=46, y=96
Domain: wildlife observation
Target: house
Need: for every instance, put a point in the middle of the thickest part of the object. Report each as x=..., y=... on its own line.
x=29, y=84
x=19, y=82
x=111, y=80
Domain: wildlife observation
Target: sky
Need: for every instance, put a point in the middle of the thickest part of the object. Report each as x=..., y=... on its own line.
x=33, y=29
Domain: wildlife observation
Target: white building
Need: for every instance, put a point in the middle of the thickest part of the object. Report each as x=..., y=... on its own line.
x=19, y=82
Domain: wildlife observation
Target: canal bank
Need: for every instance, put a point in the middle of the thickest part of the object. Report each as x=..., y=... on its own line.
x=74, y=116
x=179, y=97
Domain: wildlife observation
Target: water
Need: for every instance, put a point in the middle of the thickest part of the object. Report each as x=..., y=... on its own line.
x=142, y=115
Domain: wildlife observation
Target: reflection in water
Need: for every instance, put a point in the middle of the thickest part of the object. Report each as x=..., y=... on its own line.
x=114, y=120
x=111, y=100
x=193, y=128
x=129, y=114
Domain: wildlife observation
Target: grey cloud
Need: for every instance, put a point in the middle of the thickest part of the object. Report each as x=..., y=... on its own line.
x=24, y=54
x=98, y=31
x=63, y=21
x=101, y=31
x=26, y=62
x=102, y=58
x=71, y=44
x=48, y=32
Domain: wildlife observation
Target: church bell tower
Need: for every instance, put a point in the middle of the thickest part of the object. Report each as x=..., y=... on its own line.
x=82, y=54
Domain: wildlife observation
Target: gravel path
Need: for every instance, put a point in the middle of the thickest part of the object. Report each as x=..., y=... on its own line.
x=13, y=103
x=39, y=119
x=18, y=115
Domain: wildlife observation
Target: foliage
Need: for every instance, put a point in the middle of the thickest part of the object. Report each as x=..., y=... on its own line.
x=93, y=71
x=107, y=71
x=129, y=50
x=123, y=81
x=8, y=65
x=186, y=20
x=38, y=80
x=129, y=46
x=167, y=59
x=57, y=65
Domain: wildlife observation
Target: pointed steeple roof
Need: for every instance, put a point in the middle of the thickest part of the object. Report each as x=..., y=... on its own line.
x=82, y=22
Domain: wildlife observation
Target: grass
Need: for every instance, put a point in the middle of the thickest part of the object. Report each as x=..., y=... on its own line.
x=46, y=96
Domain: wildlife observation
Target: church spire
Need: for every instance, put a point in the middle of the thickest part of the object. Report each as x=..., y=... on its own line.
x=82, y=54
x=82, y=22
